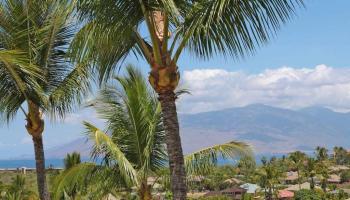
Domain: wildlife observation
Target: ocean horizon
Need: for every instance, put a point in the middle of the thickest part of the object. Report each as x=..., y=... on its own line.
x=30, y=163
x=59, y=163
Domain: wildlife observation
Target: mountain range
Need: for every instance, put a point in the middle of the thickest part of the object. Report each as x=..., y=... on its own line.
x=268, y=129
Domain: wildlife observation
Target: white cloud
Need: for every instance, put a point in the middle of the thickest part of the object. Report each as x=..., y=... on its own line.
x=84, y=115
x=214, y=89
x=26, y=140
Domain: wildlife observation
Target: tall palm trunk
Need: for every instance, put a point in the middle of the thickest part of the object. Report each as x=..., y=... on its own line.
x=35, y=127
x=174, y=148
x=269, y=194
x=145, y=191
x=312, y=184
x=40, y=168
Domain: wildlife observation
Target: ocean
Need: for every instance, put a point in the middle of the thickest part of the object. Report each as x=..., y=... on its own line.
x=58, y=163
x=4, y=164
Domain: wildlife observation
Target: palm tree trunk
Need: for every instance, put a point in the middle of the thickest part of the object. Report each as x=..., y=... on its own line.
x=312, y=184
x=40, y=167
x=299, y=179
x=270, y=193
x=174, y=148
x=145, y=192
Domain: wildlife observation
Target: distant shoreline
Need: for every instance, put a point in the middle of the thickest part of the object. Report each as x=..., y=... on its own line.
x=58, y=162
x=29, y=163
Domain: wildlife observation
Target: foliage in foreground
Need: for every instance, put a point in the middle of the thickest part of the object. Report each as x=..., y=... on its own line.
x=17, y=190
x=133, y=146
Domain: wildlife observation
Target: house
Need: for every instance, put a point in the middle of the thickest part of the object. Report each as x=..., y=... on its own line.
x=291, y=177
x=250, y=188
x=233, y=181
x=285, y=195
x=334, y=179
x=235, y=193
x=296, y=187
x=212, y=194
x=338, y=168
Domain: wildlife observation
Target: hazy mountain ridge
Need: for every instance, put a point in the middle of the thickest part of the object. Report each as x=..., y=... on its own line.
x=268, y=129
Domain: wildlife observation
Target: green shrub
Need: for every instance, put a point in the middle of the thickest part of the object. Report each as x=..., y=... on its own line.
x=215, y=198
x=345, y=176
x=308, y=195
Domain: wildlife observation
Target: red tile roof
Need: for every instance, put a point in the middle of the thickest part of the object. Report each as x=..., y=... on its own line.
x=285, y=194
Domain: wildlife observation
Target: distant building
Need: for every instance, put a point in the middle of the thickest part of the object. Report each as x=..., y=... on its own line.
x=296, y=187
x=285, y=195
x=338, y=168
x=233, y=181
x=291, y=177
x=235, y=193
x=23, y=170
x=250, y=188
x=334, y=179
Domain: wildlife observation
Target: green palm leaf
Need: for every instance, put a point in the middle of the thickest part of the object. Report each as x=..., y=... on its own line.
x=18, y=81
x=71, y=91
x=231, y=27
x=202, y=161
x=103, y=141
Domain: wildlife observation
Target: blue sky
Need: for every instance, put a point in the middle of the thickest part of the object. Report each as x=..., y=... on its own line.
x=318, y=35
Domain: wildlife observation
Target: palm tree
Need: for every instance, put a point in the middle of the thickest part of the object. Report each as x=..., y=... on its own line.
x=298, y=159
x=310, y=171
x=132, y=146
x=321, y=153
x=340, y=155
x=71, y=160
x=269, y=177
x=35, y=77
x=18, y=190
x=247, y=167
x=112, y=30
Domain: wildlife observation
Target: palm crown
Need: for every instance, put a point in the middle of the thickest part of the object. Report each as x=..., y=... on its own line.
x=133, y=142
x=203, y=27
x=34, y=71
x=113, y=29
x=34, y=37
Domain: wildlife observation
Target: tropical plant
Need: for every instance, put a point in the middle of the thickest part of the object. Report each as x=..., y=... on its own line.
x=112, y=30
x=71, y=160
x=310, y=171
x=345, y=176
x=298, y=159
x=18, y=191
x=35, y=77
x=269, y=177
x=322, y=172
x=247, y=167
x=308, y=195
x=321, y=153
x=340, y=155
x=132, y=146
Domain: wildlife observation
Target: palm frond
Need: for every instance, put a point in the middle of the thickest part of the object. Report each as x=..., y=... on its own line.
x=133, y=117
x=203, y=160
x=22, y=72
x=108, y=34
x=88, y=179
x=71, y=90
x=234, y=28
x=34, y=38
x=18, y=82
x=76, y=178
x=103, y=141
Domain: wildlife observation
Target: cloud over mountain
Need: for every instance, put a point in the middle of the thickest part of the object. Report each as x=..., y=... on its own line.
x=214, y=89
